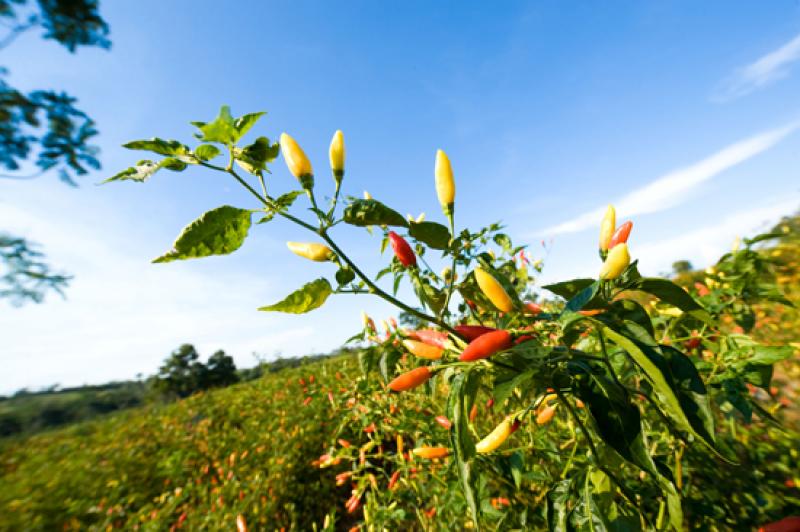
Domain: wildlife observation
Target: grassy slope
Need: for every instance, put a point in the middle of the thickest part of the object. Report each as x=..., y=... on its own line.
x=211, y=457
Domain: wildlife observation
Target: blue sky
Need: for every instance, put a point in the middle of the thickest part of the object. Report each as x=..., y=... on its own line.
x=684, y=117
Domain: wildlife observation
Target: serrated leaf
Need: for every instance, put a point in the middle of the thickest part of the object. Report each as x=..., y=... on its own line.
x=206, y=152
x=363, y=212
x=159, y=146
x=219, y=231
x=434, y=235
x=282, y=203
x=254, y=158
x=312, y=295
x=140, y=172
x=144, y=169
x=221, y=129
x=173, y=163
x=245, y=122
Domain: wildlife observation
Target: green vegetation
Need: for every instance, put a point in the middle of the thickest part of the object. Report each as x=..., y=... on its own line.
x=243, y=449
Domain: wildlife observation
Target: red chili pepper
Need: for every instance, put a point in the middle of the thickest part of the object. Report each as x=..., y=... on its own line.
x=443, y=421
x=693, y=342
x=533, y=308
x=486, y=345
x=410, y=379
x=702, y=290
x=490, y=403
x=402, y=250
x=523, y=338
x=621, y=234
x=430, y=337
x=473, y=413
x=471, y=332
x=307, y=400
x=353, y=503
x=393, y=480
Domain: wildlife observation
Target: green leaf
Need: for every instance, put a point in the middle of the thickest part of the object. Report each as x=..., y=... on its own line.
x=653, y=366
x=558, y=506
x=583, y=298
x=569, y=289
x=617, y=419
x=206, y=152
x=460, y=440
x=219, y=231
x=173, y=163
x=254, y=158
x=670, y=293
x=504, y=388
x=307, y=298
x=345, y=275
x=691, y=391
x=159, y=146
x=221, y=129
x=432, y=234
x=282, y=203
x=503, y=241
x=630, y=310
x=517, y=464
x=144, y=169
x=245, y=122
x=363, y=212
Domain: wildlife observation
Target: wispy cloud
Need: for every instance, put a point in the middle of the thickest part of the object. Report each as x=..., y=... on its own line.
x=705, y=245
x=672, y=189
x=763, y=72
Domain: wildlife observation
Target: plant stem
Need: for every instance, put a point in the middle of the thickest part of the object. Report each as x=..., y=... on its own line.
x=452, y=283
x=321, y=231
x=380, y=293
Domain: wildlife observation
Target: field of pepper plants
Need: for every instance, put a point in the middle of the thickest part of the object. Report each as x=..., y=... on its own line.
x=618, y=402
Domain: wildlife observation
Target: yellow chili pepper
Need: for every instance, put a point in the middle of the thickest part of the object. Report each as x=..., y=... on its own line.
x=311, y=251
x=445, y=185
x=336, y=154
x=607, y=227
x=546, y=415
x=616, y=262
x=493, y=290
x=423, y=350
x=499, y=435
x=296, y=161
x=431, y=452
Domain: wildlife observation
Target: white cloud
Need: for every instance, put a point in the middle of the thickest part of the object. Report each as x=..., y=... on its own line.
x=673, y=188
x=705, y=245
x=765, y=71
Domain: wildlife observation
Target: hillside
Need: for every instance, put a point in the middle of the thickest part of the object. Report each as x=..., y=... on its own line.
x=242, y=449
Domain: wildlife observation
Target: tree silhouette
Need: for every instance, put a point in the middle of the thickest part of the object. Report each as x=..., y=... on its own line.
x=45, y=127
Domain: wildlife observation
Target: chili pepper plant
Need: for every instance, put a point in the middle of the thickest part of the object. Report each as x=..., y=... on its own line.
x=580, y=411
